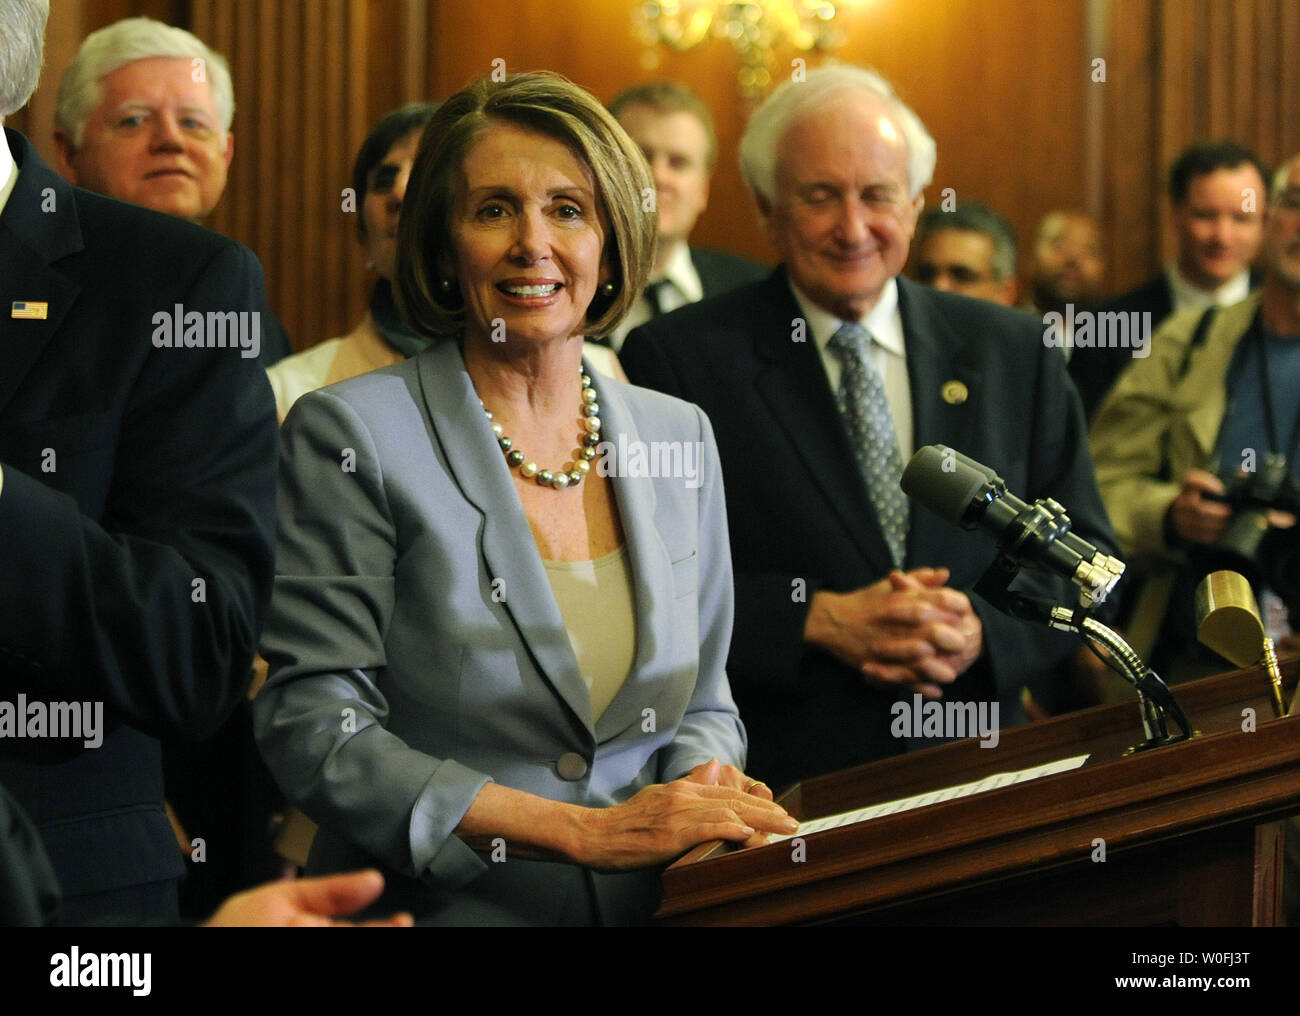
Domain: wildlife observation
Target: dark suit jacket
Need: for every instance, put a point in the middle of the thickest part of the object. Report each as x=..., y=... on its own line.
x=275, y=341
x=1094, y=370
x=29, y=892
x=801, y=519
x=720, y=273
x=1154, y=295
x=130, y=474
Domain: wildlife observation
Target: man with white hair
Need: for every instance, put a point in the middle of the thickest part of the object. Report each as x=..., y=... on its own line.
x=820, y=382
x=137, y=489
x=144, y=113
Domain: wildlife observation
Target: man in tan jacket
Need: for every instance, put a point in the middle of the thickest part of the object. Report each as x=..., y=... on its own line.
x=1217, y=396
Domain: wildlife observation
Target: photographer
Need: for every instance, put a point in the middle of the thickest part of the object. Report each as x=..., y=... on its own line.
x=1198, y=452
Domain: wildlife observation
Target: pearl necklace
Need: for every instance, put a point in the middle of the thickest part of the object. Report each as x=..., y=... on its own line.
x=581, y=464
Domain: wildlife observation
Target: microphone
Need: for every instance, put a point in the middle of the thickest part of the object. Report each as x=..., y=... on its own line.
x=969, y=494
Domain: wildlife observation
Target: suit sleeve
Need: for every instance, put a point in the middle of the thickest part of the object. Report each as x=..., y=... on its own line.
x=711, y=727
x=29, y=889
x=1060, y=467
x=154, y=605
x=320, y=720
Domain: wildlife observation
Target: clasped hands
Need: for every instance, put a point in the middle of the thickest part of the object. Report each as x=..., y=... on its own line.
x=909, y=630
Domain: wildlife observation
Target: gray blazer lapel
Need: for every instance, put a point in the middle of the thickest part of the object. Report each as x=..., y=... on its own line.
x=479, y=469
x=649, y=559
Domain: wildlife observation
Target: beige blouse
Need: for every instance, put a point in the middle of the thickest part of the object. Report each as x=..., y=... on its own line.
x=596, y=602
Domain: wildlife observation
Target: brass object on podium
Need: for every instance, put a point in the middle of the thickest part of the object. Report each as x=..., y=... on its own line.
x=1228, y=622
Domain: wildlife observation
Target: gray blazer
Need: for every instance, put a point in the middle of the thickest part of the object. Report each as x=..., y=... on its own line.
x=416, y=649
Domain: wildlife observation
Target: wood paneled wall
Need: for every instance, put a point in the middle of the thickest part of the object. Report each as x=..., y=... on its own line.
x=1185, y=71
x=1008, y=88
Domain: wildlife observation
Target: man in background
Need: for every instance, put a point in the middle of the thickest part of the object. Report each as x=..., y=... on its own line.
x=970, y=250
x=673, y=128
x=1217, y=193
x=820, y=381
x=1067, y=264
x=1215, y=400
x=144, y=114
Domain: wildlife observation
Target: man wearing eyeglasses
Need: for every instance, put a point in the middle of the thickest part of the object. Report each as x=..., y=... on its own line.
x=969, y=250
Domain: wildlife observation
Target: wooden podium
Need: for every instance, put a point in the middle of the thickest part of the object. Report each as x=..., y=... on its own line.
x=1192, y=833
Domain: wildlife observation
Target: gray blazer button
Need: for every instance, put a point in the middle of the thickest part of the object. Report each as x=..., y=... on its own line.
x=571, y=766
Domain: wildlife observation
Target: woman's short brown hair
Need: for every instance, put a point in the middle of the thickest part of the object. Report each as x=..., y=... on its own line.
x=552, y=105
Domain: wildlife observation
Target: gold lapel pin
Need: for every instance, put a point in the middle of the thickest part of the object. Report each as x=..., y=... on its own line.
x=29, y=310
x=954, y=392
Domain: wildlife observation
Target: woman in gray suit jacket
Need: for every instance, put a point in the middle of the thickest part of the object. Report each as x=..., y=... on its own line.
x=497, y=658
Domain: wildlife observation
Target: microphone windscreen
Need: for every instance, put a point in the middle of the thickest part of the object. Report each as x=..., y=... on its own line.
x=945, y=481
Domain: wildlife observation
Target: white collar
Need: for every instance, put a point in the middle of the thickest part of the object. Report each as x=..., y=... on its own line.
x=880, y=321
x=1189, y=296
x=682, y=274
x=8, y=171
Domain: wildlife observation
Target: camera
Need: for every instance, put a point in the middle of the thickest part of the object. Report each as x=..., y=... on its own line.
x=1264, y=554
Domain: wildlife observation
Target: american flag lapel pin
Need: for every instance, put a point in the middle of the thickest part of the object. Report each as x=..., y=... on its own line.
x=29, y=310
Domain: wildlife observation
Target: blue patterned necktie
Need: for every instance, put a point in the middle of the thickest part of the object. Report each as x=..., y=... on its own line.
x=865, y=410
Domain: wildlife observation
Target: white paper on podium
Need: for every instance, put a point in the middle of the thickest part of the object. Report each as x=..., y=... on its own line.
x=990, y=782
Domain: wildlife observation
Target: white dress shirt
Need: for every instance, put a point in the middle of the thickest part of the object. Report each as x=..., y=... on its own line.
x=1190, y=297
x=683, y=287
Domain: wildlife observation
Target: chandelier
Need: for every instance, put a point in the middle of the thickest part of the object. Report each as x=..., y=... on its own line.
x=755, y=28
